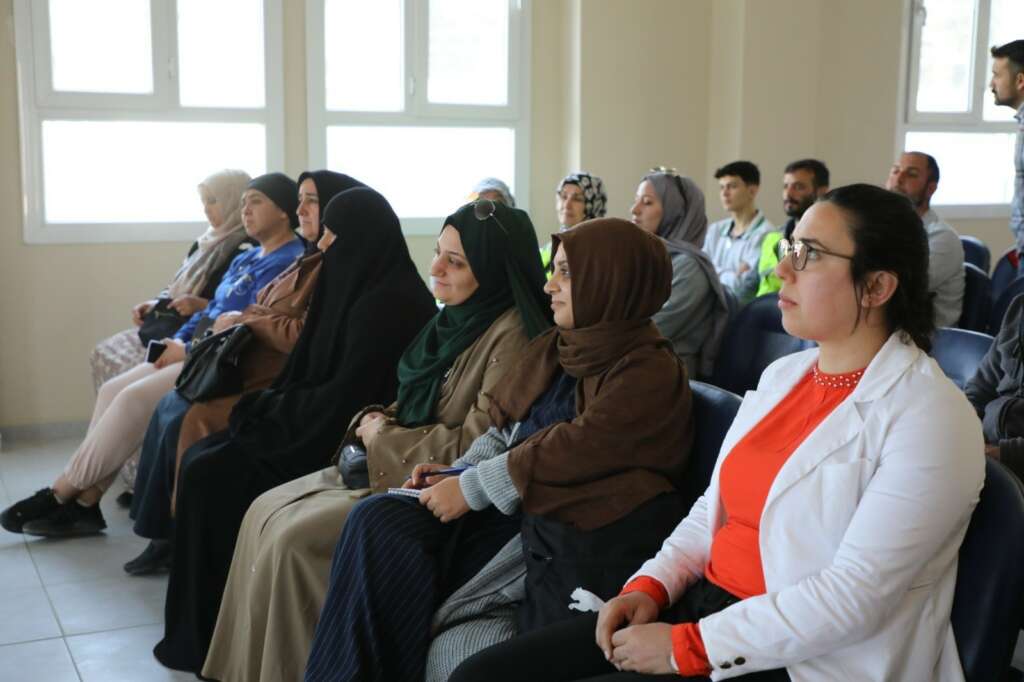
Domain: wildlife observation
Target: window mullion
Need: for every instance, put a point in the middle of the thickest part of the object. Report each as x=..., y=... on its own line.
x=417, y=50
x=164, y=17
x=982, y=12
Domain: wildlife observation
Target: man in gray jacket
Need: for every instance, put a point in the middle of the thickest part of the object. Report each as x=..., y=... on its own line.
x=915, y=175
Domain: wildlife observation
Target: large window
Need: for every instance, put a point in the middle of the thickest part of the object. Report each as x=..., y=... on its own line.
x=949, y=111
x=420, y=98
x=126, y=105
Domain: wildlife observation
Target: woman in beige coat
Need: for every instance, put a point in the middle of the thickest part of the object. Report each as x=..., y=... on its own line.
x=279, y=573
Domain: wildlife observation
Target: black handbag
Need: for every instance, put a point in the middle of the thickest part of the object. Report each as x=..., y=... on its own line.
x=211, y=369
x=161, y=322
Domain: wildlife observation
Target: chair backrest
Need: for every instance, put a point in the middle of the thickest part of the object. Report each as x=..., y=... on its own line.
x=959, y=352
x=989, y=593
x=999, y=308
x=753, y=340
x=977, y=300
x=1004, y=272
x=976, y=252
x=713, y=412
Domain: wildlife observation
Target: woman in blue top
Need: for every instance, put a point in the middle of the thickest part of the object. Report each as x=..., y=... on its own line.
x=124, y=404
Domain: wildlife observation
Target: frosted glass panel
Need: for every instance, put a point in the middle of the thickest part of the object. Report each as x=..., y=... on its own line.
x=135, y=171
x=947, y=41
x=101, y=46
x=221, y=54
x=424, y=172
x=1006, y=24
x=468, y=52
x=975, y=168
x=364, y=55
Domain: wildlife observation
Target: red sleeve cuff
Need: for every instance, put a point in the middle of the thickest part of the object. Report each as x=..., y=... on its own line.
x=649, y=586
x=688, y=650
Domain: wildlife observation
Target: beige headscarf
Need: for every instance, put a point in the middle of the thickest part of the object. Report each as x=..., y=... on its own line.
x=216, y=244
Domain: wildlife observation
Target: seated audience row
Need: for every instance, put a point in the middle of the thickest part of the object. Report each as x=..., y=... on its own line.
x=537, y=466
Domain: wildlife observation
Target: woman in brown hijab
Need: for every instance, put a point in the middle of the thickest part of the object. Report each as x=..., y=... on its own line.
x=590, y=433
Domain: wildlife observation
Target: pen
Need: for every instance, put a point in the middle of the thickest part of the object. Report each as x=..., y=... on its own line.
x=451, y=471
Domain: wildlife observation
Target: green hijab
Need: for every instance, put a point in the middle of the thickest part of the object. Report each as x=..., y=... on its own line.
x=503, y=254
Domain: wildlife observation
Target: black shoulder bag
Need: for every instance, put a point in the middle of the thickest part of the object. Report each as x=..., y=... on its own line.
x=212, y=367
x=161, y=322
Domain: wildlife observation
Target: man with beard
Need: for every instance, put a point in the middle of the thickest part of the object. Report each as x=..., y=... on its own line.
x=1007, y=86
x=803, y=182
x=915, y=175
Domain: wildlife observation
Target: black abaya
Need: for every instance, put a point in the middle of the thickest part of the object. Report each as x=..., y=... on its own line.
x=368, y=306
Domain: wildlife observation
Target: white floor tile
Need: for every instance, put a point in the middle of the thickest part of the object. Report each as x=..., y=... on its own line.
x=33, y=661
x=16, y=566
x=98, y=557
x=97, y=605
x=122, y=656
x=25, y=615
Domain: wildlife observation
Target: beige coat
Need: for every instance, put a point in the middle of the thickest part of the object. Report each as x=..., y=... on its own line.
x=282, y=560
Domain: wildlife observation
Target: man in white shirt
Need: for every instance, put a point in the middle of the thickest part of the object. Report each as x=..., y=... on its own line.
x=734, y=244
x=915, y=175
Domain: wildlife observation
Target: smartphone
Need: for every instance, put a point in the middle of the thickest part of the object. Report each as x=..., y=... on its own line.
x=154, y=350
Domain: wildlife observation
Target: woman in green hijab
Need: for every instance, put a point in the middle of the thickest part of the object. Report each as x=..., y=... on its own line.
x=487, y=273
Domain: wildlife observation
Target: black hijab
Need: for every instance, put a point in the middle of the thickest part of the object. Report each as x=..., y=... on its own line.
x=328, y=185
x=368, y=305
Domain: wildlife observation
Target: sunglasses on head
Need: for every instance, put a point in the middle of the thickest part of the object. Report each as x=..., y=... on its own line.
x=484, y=209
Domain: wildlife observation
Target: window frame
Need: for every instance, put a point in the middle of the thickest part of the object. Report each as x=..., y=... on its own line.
x=418, y=111
x=37, y=102
x=910, y=120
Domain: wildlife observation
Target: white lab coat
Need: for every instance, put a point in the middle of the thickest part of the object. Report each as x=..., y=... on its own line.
x=859, y=535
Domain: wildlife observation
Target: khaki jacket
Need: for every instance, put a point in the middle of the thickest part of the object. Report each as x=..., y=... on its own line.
x=461, y=409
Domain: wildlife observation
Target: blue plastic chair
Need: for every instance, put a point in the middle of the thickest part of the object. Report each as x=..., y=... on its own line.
x=976, y=252
x=713, y=412
x=1004, y=272
x=959, y=352
x=753, y=340
x=989, y=596
x=977, y=300
x=1001, y=305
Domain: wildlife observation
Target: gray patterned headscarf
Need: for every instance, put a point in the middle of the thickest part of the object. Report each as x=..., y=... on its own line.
x=683, y=226
x=594, y=198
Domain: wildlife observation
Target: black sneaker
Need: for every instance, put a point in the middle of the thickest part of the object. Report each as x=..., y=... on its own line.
x=155, y=558
x=31, y=508
x=67, y=521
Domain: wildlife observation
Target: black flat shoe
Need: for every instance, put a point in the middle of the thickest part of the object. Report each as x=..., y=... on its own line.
x=124, y=500
x=31, y=508
x=154, y=559
x=67, y=521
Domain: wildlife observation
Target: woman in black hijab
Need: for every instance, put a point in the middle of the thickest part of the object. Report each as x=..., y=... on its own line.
x=369, y=304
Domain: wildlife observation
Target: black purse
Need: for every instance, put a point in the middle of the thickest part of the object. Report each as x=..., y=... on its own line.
x=211, y=369
x=161, y=322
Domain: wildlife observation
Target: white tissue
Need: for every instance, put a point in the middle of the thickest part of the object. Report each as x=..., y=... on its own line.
x=583, y=600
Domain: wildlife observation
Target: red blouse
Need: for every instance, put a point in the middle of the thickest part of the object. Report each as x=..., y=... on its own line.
x=745, y=477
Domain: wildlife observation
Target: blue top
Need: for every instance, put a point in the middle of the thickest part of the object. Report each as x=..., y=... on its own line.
x=249, y=272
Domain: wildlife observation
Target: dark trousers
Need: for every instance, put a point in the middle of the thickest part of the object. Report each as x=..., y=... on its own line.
x=393, y=566
x=154, y=481
x=566, y=651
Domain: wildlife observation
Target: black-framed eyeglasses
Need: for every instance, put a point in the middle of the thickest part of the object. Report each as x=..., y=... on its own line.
x=484, y=209
x=799, y=251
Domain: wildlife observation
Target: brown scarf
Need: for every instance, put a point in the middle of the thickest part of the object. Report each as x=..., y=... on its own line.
x=632, y=434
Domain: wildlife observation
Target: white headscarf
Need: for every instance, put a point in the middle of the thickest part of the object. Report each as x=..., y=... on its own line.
x=217, y=244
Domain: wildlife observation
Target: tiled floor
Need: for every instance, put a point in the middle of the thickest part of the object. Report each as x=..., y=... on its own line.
x=68, y=612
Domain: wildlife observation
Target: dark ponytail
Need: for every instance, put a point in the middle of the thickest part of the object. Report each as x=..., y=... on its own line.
x=888, y=236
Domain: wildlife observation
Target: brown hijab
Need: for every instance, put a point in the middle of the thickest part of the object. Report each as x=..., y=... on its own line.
x=632, y=434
